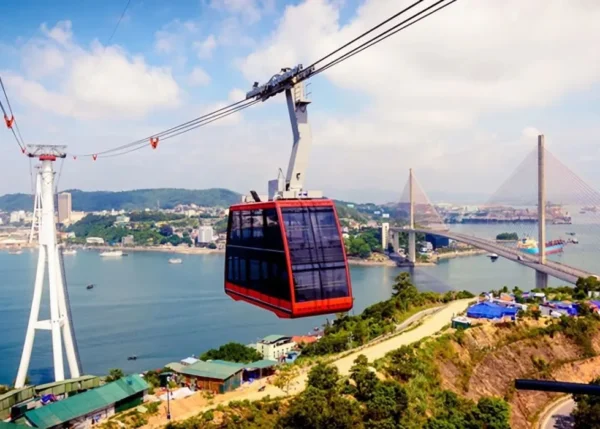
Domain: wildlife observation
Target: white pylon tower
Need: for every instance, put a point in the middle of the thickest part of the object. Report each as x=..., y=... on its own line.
x=49, y=258
x=37, y=209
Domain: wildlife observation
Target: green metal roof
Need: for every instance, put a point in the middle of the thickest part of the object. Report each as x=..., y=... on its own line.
x=175, y=366
x=5, y=425
x=85, y=403
x=261, y=364
x=62, y=383
x=216, y=370
x=228, y=363
x=273, y=338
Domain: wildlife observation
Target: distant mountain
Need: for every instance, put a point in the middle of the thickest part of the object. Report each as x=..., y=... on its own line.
x=165, y=198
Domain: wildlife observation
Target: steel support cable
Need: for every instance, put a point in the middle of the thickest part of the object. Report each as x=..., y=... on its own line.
x=164, y=133
x=20, y=140
x=222, y=115
x=118, y=22
x=365, y=33
x=384, y=35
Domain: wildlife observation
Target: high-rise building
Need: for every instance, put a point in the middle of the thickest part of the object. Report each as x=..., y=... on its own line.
x=206, y=234
x=64, y=207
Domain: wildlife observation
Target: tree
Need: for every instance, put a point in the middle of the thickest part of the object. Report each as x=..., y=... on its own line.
x=315, y=409
x=232, y=352
x=492, y=413
x=285, y=376
x=212, y=246
x=587, y=412
x=114, y=374
x=166, y=230
x=366, y=381
x=323, y=377
x=403, y=289
x=403, y=363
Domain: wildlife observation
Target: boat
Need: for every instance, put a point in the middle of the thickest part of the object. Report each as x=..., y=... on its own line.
x=69, y=252
x=571, y=233
x=493, y=256
x=112, y=253
x=175, y=261
x=15, y=252
x=574, y=241
x=90, y=287
x=530, y=246
x=134, y=357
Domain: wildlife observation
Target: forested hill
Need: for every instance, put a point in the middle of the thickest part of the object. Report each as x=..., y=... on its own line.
x=165, y=198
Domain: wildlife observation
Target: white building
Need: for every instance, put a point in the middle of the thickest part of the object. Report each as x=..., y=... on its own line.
x=94, y=240
x=17, y=216
x=273, y=347
x=206, y=234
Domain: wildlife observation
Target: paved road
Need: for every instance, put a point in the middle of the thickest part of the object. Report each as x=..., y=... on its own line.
x=559, y=415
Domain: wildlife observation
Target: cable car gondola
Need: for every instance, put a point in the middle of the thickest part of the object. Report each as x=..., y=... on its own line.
x=286, y=253
x=287, y=256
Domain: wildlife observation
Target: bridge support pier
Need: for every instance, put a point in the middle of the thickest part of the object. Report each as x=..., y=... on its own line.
x=412, y=248
x=541, y=279
x=385, y=236
x=412, y=245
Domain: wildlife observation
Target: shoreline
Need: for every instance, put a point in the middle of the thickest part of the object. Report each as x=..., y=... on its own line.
x=159, y=249
x=452, y=255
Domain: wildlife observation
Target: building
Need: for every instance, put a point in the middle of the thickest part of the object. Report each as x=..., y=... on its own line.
x=216, y=376
x=64, y=208
x=122, y=220
x=87, y=409
x=127, y=240
x=273, y=347
x=17, y=216
x=94, y=240
x=205, y=234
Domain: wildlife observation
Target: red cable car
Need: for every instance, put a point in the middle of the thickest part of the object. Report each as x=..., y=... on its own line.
x=288, y=256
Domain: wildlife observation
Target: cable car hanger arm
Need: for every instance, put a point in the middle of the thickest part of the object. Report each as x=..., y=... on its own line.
x=291, y=81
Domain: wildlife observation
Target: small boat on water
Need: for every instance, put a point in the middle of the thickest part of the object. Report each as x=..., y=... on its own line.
x=90, y=287
x=69, y=252
x=134, y=357
x=112, y=253
x=493, y=257
x=175, y=261
x=574, y=241
x=571, y=233
x=15, y=252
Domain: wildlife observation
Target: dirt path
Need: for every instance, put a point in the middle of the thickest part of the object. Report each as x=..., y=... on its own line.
x=431, y=322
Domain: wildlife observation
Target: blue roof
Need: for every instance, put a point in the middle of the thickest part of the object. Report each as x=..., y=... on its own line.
x=489, y=310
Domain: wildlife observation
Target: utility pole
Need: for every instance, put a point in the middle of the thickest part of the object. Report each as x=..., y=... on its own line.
x=49, y=259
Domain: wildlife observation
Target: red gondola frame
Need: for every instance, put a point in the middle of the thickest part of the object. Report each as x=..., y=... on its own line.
x=282, y=308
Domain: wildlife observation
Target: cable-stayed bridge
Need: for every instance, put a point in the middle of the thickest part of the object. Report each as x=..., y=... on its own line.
x=515, y=204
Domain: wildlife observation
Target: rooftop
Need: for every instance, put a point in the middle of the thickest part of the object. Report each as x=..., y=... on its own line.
x=218, y=370
x=87, y=402
x=273, y=338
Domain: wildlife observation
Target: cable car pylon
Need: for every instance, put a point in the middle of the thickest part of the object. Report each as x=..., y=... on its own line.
x=285, y=252
x=49, y=258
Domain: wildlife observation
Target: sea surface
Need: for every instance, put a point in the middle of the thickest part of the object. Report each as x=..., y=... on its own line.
x=142, y=305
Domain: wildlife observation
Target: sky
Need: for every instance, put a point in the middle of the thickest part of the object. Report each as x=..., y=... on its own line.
x=460, y=97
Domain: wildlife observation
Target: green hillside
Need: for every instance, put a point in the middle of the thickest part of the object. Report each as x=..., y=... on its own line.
x=166, y=198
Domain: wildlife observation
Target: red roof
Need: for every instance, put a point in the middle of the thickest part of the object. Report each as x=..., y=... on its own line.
x=306, y=339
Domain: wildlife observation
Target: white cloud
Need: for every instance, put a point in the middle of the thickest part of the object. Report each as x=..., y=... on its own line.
x=236, y=94
x=61, y=32
x=98, y=82
x=418, y=91
x=205, y=47
x=198, y=77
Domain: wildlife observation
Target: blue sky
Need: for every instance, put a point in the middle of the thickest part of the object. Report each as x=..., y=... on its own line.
x=459, y=97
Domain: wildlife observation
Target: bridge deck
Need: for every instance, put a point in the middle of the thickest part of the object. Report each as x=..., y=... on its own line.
x=555, y=269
